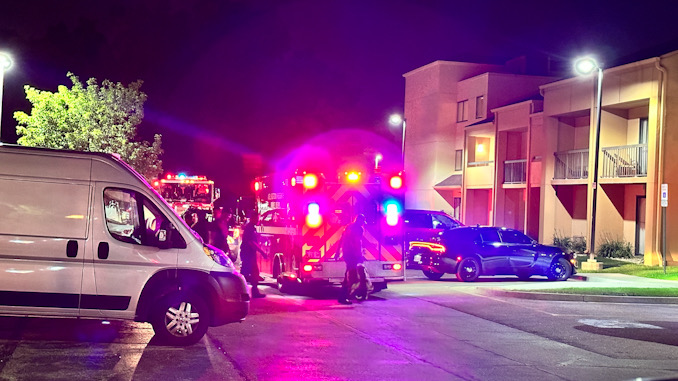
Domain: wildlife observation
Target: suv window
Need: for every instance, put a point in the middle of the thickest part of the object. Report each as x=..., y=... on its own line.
x=441, y=221
x=419, y=220
x=489, y=236
x=132, y=218
x=514, y=236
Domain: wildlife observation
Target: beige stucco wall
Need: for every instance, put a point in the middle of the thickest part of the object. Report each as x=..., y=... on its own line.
x=431, y=133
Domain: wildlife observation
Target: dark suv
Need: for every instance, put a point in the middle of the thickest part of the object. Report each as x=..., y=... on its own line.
x=425, y=226
x=470, y=252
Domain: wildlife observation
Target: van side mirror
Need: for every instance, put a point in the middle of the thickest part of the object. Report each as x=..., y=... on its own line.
x=166, y=236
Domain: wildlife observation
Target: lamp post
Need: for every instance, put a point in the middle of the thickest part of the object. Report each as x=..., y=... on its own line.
x=398, y=120
x=586, y=66
x=5, y=64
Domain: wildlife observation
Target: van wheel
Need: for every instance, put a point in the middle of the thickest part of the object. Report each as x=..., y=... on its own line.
x=180, y=319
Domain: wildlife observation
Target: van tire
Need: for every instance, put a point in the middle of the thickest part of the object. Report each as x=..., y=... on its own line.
x=180, y=319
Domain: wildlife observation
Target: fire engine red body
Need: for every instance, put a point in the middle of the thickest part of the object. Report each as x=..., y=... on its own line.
x=303, y=217
x=188, y=192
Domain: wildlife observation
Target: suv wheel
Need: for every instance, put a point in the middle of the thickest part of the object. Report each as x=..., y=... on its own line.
x=560, y=270
x=180, y=319
x=432, y=275
x=468, y=270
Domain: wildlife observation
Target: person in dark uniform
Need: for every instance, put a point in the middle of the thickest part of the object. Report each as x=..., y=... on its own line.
x=352, y=251
x=248, y=255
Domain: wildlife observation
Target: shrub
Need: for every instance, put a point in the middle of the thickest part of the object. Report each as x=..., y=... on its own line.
x=576, y=244
x=579, y=245
x=564, y=243
x=615, y=248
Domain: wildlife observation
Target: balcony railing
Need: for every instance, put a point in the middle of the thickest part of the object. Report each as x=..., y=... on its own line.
x=571, y=165
x=515, y=171
x=479, y=163
x=624, y=161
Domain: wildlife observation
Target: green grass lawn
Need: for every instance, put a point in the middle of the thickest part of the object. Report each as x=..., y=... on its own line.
x=615, y=291
x=621, y=267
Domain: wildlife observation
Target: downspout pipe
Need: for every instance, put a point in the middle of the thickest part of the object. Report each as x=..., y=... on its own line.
x=659, y=239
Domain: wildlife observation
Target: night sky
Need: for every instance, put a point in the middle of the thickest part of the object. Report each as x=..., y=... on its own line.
x=229, y=82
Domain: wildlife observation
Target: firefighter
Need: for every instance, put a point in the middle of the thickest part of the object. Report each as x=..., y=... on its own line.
x=352, y=252
x=248, y=255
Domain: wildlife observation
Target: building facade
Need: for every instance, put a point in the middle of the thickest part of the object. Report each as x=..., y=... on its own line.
x=492, y=145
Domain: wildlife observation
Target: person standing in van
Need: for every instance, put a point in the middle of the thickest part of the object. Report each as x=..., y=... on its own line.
x=248, y=254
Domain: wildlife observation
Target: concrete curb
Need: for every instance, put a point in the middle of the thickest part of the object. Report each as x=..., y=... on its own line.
x=582, y=298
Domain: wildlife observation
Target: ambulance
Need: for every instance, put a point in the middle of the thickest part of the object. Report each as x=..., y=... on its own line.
x=304, y=214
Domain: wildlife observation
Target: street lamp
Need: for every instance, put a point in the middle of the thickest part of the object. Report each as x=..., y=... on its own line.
x=586, y=66
x=397, y=120
x=5, y=64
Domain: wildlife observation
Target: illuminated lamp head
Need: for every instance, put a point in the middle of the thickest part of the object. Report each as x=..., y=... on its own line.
x=156, y=183
x=353, y=177
x=181, y=176
x=392, y=210
x=257, y=186
x=293, y=181
x=397, y=266
x=396, y=182
x=308, y=267
x=313, y=217
x=169, y=177
x=310, y=181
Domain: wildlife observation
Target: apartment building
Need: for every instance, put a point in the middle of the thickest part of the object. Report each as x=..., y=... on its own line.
x=494, y=146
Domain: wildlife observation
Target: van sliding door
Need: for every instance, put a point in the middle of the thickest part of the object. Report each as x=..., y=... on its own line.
x=43, y=231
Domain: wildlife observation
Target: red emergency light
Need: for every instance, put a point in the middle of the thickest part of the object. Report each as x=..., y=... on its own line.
x=396, y=182
x=310, y=181
x=185, y=178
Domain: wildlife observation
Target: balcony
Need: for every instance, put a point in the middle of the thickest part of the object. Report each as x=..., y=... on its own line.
x=479, y=174
x=515, y=171
x=571, y=165
x=624, y=161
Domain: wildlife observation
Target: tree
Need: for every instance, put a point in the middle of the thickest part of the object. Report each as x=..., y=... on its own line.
x=95, y=118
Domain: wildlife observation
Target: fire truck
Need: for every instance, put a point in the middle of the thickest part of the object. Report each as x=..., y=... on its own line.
x=198, y=194
x=188, y=192
x=302, y=217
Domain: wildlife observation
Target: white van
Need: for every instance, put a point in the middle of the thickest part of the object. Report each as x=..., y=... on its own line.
x=84, y=235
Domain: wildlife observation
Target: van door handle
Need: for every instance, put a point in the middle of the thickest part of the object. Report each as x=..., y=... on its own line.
x=72, y=249
x=102, y=251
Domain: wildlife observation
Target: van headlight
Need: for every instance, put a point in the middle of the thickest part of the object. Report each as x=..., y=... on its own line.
x=218, y=256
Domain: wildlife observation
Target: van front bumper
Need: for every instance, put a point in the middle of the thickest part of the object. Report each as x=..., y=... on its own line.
x=232, y=302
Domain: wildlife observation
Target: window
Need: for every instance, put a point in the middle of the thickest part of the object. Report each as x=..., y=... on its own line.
x=489, y=236
x=456, y=204
x=443, y=222
x=419, y=221
x=462, y=111
x=132, y=218
x=642, y=134
x=516, y=237
x=458, y=159
x=480, y=107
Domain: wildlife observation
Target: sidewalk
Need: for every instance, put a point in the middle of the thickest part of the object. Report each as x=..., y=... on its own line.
x=589, y=280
